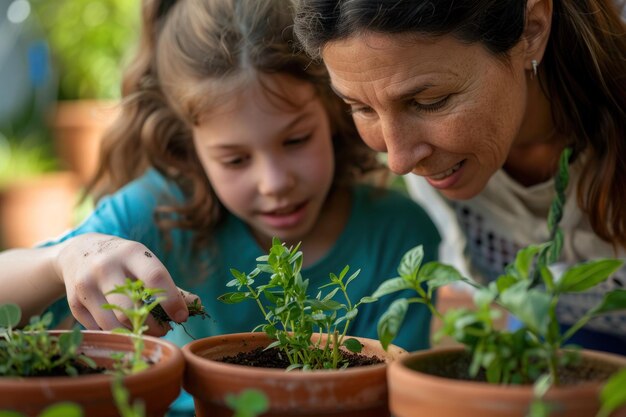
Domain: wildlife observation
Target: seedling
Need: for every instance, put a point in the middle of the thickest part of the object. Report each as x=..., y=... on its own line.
x=291, y=316
x=33, y=351
x=137, y=314
x=528, y=290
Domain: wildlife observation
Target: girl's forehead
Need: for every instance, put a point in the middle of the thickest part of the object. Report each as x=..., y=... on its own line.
x=272, y=93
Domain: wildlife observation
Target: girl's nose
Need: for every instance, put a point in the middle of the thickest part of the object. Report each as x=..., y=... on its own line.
x=275, y=179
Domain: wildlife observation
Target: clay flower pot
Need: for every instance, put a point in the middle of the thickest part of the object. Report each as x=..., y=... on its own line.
x=359, y=391
x=411, y=390
x=157, y=386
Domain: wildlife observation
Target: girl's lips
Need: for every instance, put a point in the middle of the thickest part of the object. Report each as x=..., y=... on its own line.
x=447, y=178
x=285, y=218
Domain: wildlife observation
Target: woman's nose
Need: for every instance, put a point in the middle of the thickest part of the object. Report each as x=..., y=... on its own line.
x=405, y=149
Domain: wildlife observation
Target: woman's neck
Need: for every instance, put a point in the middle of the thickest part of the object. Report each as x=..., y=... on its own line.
x=534, y=156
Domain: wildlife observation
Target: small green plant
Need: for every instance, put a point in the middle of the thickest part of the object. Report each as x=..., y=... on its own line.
x=33, y=351
x=529, y=290
x=291, y=316
x=248, y=403
x=144, y=300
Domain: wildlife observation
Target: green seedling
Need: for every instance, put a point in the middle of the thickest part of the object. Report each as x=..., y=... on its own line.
x=291, y=316
x=33, y=351
x=528, y=289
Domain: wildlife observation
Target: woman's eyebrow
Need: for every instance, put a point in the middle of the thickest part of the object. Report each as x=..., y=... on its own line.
x=399, y=97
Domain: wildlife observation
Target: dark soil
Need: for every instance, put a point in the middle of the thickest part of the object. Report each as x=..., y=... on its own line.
x=456, y=366
x=274, y=358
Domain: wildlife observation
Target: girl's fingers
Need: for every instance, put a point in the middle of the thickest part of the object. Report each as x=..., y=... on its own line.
x=83, y=316
x=146, y=267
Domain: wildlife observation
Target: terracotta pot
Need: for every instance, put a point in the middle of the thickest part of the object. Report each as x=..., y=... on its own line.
x=78, y=129
x=157, y=386
x=35, y=209
x=360, y=391
x=413, y=393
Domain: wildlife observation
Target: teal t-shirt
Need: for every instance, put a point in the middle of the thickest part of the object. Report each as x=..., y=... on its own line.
x=382, y=226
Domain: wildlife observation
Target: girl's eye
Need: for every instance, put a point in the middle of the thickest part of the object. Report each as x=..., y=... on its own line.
x=297, y=141
x=432, y=105
x=235, y=162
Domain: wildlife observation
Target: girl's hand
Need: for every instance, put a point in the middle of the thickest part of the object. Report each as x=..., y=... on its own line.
x=91, y=265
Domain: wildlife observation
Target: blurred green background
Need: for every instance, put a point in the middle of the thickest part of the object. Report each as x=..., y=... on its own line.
x=54, y=52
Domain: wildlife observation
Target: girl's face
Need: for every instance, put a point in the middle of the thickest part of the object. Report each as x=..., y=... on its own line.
x=442, y=109
x=269, y=162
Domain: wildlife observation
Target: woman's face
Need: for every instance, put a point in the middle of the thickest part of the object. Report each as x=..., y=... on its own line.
x=442, y=109
x=269, y=162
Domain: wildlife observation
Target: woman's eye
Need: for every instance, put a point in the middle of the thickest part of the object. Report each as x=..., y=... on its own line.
x=360, y=110
x=430, y=105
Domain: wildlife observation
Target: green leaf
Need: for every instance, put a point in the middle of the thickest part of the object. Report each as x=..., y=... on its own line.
x=392, y=285
x=410, y=263
x=530, y=306
x=367, y=300
x=613, y=394
x=524, y=260
x=353, y=345
x=325, y=305
x=390, y=322
x=437, y=274
x=10, y=315
x=248, y=403
x=613, y=301
x=232, y=297
x=64, y=409
x=583, y=276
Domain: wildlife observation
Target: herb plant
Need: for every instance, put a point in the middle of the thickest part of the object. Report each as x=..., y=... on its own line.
x=529, y=290
x=137, y=314
x=291, y=316
x=33, y=351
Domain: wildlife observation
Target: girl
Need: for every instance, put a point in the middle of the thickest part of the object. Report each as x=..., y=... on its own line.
x=226, y=139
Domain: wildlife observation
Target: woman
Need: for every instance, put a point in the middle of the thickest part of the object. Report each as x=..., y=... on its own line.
x=480, y=98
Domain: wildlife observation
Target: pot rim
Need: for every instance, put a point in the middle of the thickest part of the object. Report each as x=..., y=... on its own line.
x=400, y=369
x=168, y=365
x=192, y=353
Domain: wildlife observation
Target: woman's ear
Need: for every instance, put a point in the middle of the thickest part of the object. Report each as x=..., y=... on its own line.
x=537, y=30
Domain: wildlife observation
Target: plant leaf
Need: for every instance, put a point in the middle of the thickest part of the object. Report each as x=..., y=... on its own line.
x=232, y=297
x=392, y=285
x=613, y=301
x=583, y=276
x=353, y=345
x=391, y=321
x=613, y=394
x=410, y=263
x=530, y=306
x=64, y=409
x=10, y=315
x=437, y=274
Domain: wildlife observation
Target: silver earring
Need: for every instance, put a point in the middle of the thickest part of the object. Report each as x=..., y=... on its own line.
x=534, y=64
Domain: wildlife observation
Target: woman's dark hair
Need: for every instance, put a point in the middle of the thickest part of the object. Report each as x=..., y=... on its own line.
x=583, y=72
x=193, y=54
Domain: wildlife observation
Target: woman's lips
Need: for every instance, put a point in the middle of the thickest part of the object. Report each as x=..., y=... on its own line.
x=448, y=178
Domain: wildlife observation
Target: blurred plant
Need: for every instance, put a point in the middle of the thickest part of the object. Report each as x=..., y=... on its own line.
x=24, y=159
x=89, y=41
x=248, y=403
